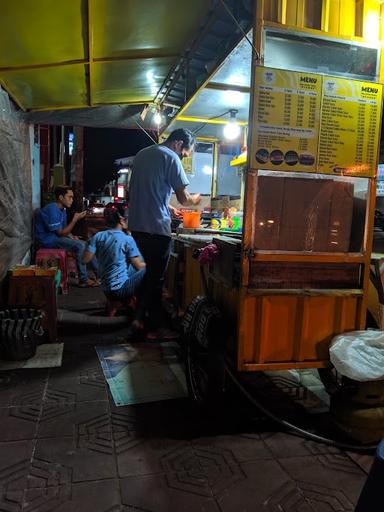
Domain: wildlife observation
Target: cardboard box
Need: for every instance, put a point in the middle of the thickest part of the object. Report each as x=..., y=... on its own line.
x=303, y=214
x=20, y=270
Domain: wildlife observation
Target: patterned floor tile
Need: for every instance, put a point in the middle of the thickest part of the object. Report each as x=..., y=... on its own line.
x=82, y=386
x=14, y=385
x=153, y=494
x=286, y=445
x=243, y=449
x=362, y=460
x=99, y=496
x=86, y=457
x=205, y=471
x=17, y=423
x=15, y=460
x=66, y=418
x=329, y=475
x=146, y=457
x=262, y=480
x=305, y=497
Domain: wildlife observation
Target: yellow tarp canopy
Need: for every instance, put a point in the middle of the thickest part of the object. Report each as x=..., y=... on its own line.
x=81, y=53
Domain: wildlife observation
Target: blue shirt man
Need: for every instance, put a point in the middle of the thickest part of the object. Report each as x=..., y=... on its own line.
x=156, y=172
x=121, y=266
x=49, y=221
x=52, y=231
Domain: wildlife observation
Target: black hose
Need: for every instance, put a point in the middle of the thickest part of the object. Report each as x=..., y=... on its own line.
x=72, y=317
x=294, y=428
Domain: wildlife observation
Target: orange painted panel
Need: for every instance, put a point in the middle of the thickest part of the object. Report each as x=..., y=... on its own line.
x=248, y=329
x=283, y=329
x=277, y=328
x=318, y=327
x=349, y=314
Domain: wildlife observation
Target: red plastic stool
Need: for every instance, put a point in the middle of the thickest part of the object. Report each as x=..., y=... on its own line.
x=51, y=258
x=72, y=265
x=112, y=305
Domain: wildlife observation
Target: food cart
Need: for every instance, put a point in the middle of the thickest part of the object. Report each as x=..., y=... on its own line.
x=300, y=273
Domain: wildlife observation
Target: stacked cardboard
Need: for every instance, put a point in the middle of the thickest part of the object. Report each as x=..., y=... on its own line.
x=303, y=214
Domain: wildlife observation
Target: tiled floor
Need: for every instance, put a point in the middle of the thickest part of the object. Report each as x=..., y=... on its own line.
x=64, y=446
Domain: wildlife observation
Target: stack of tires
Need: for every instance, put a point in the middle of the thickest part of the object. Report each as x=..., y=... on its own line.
x=20, y=332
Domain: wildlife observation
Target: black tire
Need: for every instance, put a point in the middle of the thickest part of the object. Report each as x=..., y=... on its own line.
x=204, y=342
x=205, y=373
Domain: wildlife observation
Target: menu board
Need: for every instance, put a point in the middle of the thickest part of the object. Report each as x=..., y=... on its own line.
x=286, y=119
x=350, y=127
x=310, y=123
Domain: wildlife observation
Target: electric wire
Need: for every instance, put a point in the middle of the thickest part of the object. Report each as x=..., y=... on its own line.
x=145, y=131
x=294, y=428
x=210, y=119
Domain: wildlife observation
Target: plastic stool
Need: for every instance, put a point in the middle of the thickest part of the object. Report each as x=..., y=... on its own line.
x=72, y=265
x=371, y=497
x=54, y=257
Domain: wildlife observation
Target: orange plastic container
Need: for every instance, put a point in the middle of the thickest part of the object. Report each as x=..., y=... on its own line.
x=191, y=219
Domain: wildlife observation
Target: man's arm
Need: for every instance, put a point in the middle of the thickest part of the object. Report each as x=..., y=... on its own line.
x=187, y=199
x=137, y=262
x=87, y=256
x=174, y=212
x=68, y=228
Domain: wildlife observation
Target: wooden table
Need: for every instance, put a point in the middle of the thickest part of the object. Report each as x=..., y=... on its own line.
x=36, y=292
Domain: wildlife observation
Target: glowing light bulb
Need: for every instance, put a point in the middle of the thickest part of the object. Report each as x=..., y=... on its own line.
x=157, y=119
x=232, y=129
x=207, y=169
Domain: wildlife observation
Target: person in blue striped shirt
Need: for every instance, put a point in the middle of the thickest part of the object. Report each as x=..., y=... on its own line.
x=121, y=266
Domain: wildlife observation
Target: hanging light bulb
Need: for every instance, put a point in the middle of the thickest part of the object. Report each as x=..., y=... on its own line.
x=232, y=129
x=157, y=118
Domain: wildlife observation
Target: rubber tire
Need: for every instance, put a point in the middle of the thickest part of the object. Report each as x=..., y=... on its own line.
x=205, y=375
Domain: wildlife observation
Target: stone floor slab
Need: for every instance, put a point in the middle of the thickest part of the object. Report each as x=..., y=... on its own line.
x=66, y=418
x=85, y=457
x=155, y=494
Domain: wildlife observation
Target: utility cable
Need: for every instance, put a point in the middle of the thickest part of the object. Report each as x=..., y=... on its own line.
x=210, y=119
x=294, y=428
x=145, y=131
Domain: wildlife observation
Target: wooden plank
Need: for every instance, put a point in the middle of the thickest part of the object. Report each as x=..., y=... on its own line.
x=305, y=292
x=293, y=275
x=320, y=257
x=252, y=367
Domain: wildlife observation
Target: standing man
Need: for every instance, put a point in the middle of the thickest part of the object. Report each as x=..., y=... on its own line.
x=156, y=172
x=52, y=231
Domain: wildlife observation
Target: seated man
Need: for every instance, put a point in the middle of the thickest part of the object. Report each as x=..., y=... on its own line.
x=53, y=232
x=121, y=265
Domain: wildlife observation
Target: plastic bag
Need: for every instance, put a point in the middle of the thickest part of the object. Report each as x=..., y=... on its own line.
x=359, y=355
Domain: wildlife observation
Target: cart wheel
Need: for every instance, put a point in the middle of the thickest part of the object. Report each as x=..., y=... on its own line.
x=204, y=335
x=205, y=372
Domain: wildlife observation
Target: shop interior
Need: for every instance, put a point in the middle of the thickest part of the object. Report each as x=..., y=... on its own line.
x=219, y=116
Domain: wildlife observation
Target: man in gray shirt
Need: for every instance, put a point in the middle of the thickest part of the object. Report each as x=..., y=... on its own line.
x=156, y=172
